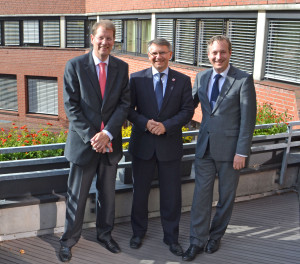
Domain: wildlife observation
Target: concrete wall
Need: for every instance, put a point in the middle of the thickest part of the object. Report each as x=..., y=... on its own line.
x=39, y=219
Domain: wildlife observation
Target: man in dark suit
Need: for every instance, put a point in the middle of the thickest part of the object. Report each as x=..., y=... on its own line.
x=161, y=103
x=97, y=99
x=228, y=102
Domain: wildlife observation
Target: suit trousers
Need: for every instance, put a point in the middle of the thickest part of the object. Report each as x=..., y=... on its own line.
x=79, y=183
x=170, y=196
x=206, y=169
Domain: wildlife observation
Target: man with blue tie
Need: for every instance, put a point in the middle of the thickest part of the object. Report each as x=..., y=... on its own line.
x=228, y=102
x=161, y=103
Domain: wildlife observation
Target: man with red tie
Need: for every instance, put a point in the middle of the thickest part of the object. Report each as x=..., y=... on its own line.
x=97, y=99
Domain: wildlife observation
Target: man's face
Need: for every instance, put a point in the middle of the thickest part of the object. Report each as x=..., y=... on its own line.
x=159, y=56
x=219, y=55
x=103, y=42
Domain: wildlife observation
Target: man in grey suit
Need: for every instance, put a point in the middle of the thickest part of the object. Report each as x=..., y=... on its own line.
x=228, y=101
x=161, y=103
x=97, y=100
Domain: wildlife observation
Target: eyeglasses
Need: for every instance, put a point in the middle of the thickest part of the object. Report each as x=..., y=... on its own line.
x=155, y=54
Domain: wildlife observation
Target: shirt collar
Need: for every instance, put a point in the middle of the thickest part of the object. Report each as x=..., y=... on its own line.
x=166, y=71
x=97, y=60
x=224, y=73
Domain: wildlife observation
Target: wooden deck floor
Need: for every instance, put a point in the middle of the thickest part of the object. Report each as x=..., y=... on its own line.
x=264, y=230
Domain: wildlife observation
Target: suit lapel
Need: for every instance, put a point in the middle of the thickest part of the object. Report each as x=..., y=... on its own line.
x=149, y=89
x=226, y=86
x=203, y=91
x=92, y=74
x=112, y=73
x=171, y=82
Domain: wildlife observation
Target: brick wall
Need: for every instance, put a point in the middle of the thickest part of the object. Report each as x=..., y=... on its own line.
x=117, y=5
x=282, y=99
x=14, y=7
x=41, y=62
x=46, y=62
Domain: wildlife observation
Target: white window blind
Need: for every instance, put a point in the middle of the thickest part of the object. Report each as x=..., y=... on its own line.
x=283, y=48
x=75, y=34
x=207, y=29
x=8, y=93
x=12, y=33
x=31, y=32
x=51, y=33
x=42, y=96
x=165, y=29
x=185, y=43
x=242, y=33
x=119, y=29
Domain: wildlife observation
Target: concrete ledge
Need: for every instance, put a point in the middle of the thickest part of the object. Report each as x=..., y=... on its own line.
x=46, y=214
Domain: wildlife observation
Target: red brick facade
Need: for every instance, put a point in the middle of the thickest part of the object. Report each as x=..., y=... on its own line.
x=45, y=62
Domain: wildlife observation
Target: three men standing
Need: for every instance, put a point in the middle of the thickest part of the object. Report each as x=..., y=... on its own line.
x=97, y=99
x=228, y=102
x=161, y=103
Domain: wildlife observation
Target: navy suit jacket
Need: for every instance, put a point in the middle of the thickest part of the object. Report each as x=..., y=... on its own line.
x=176, y=111
x=86, y=109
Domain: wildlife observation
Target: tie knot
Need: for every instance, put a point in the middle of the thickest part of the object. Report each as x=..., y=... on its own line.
x=161, y=74
x=218, y=76
x=102, y=65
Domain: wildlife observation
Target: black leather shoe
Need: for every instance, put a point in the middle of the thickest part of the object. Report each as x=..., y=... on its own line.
x=135, y=242
x=110, y=245
x=212, y=246
x=175, y=248
x=192, y=252
x=65, y=254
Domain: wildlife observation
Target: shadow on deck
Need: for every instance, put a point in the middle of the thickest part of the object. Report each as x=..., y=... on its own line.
x=264, y=230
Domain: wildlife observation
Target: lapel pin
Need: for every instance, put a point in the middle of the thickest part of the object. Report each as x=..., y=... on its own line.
x=173, y=80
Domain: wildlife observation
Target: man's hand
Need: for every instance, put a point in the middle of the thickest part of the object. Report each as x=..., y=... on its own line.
x=100, y=142
x=239, y=162
x=156, y=128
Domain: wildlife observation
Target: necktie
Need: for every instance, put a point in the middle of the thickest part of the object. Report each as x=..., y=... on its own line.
x=102, y=77
x=215, y=91
x=159, y=91
x=102, y=82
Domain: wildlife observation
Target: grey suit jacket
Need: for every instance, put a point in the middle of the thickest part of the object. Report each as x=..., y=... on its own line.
x=86, y=110
x=229, y=126
x=176, y=110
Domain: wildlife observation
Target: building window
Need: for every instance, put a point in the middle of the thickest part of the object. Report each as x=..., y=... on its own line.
x=191, y=36
x=131, y=35
x=51, y=33
x=75, y=33
x=119, y=34
x=8, y=93
x=31, y=32
x=12, y=33
x=242, y=34
x=283, y=47
x=185, y=43
x=42, y=96
x=137, y=34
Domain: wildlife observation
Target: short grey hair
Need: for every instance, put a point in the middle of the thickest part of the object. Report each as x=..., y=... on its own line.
x=219, y=38
x=160, y=42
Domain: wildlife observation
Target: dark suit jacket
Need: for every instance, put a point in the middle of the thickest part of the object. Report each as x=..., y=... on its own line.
x=229, y=127
x=86, y=110
x=176, y=111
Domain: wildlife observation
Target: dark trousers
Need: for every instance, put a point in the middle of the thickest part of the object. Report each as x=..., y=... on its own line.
x=170, y=196
x=79, y=183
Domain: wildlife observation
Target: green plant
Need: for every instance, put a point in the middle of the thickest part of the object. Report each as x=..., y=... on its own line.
x=266, y=114
x=21, y=136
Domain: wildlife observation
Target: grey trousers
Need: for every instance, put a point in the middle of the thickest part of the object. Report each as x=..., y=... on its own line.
x=206, y=170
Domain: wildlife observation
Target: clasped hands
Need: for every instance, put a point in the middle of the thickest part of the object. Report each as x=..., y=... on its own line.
x=101, y=143
x=156, y=128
